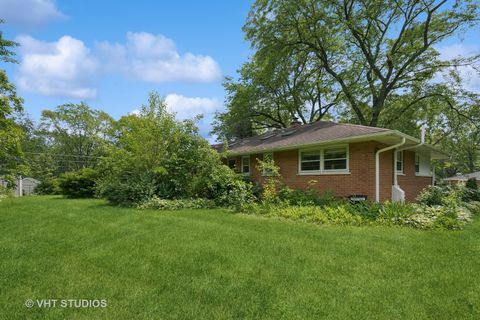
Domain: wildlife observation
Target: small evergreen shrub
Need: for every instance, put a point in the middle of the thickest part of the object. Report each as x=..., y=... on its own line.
x=78, y=184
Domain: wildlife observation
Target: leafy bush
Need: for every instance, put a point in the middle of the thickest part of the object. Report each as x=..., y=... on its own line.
x=165, y=204
x=447, y=216
x=472, y=184
x=309, y=197
x=155, y=155
x=432, y=196
x=78, y=184
x=471, y=193
x=127, y=188
x=48, y=186
x=5, y=193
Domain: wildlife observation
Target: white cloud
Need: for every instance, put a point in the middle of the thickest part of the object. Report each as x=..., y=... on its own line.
x=187, y=107
x=30, y=13
x=154, y=58
x=61, y=68
x=469, y=74
x=68, y=68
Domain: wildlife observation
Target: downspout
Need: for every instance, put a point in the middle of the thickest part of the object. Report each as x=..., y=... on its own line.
x=377, y=168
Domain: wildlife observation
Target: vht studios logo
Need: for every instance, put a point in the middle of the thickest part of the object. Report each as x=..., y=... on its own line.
x=66, y=303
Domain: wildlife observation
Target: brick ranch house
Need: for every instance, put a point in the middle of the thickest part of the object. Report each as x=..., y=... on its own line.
x=349, y=160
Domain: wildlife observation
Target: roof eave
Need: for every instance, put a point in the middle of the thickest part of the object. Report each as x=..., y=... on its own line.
x=315, y=143
x=436, y=153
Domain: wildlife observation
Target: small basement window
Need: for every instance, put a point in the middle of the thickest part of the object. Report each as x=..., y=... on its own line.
x=246, y=165
x=399, y=164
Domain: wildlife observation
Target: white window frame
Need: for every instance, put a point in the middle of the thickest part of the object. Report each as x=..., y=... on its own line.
x=402, y=160
x=322, y=170
x=247, y=158
x=421, y=173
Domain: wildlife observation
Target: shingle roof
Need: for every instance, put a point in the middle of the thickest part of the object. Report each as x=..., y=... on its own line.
x=321, y=131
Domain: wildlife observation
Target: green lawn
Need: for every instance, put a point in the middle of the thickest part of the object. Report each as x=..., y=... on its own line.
x=212, y=264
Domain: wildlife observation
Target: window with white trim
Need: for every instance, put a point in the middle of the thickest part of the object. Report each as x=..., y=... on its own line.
x=246, y=165
x=335, y=159
x=417, y=163
x=310, y=161
x=324, y=160
x=422, y=165
x=399, y=164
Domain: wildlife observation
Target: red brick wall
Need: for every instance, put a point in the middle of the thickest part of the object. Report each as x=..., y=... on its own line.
x=361, y=179
x=409, y=182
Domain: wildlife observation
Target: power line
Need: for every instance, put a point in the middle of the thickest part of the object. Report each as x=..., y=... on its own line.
x=62, y=155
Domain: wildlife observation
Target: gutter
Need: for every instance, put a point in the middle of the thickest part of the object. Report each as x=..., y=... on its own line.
x=377, y=167
x=421, y=143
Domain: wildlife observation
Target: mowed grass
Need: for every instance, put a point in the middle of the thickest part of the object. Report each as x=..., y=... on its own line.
x=212, y=264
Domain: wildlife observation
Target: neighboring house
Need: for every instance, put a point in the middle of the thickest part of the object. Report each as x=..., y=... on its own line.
x=23, y=186
x=349, y=160
x=462, y=179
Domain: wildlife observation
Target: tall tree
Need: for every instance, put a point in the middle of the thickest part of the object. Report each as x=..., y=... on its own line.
x=11, y=134
x=372, y=51
x=277, y=86
x=76, y=135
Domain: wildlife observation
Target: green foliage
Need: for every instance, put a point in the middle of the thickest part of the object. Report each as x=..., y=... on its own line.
x=308, y=197
x=271, y=181
x=369, y=52
x=442, y=208
x=156, y=155
x=126, y=188
x=431, y=196
x=177, y=204
x=5, y=193
x=11, y=134
x=76, y=134
x=472, y=184
x=48, y=186
x=78, y=184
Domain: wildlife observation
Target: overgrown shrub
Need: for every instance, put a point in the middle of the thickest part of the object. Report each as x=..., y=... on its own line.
x=127, y=188
x=5, y=193
x=48, y=186
x=309, y=197
x=165, y=204
x=78, y=184
x=471, y=193
x=155, y=155
x=432, y=196
x=471, y=184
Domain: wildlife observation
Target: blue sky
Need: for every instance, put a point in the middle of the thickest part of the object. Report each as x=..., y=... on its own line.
x=200, y=39
x=112, y=53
